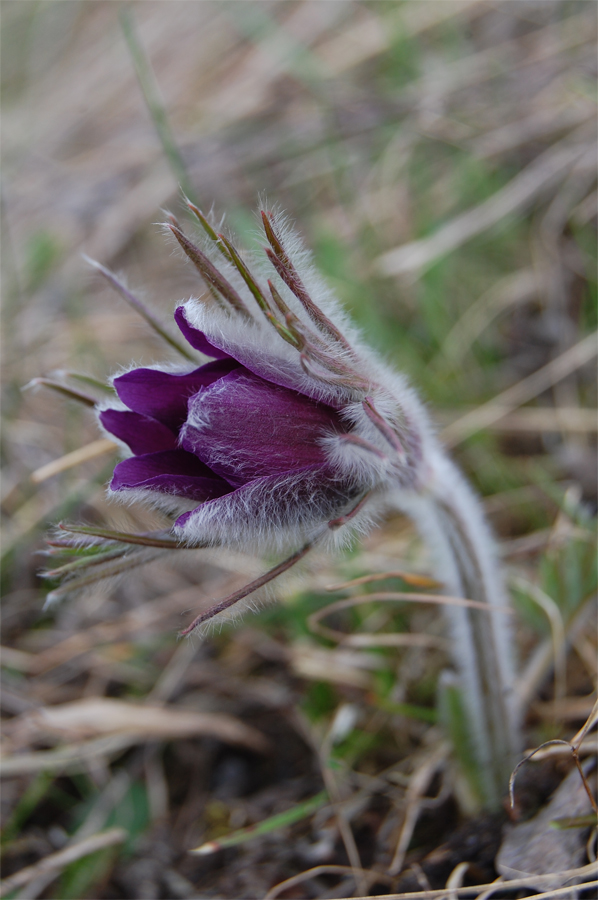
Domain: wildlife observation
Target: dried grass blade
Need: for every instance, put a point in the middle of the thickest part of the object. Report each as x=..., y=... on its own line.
x=420, y=780
x=526, y=389
x=55, y=862
x=542, y=419
x=313, y=621
x=540, y=175
x=94, y=716
x=557, y=629
x=367, y=874
x=409, y=577
x=590, y=870
x=583, y=731
x=75, y=458
x=398, y=639
x=140, y=308
x=70, y=758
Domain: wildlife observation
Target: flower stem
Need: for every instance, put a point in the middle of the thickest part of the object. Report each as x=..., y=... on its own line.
x=264, y=579
x=450, y=519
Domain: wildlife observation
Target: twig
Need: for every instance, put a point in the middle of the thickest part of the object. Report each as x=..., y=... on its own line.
x=574, y=753
x=368, y=874
x=591, y=870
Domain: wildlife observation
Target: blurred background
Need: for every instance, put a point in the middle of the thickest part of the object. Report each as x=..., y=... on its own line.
x=440, y=160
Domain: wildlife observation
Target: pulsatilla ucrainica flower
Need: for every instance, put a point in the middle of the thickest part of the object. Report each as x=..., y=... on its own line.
x=287, y=430
x=292, y=435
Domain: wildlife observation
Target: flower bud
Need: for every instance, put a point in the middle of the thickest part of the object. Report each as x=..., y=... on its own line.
x=293, y=430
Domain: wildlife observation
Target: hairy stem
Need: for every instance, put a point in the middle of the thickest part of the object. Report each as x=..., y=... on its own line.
x=451, y=521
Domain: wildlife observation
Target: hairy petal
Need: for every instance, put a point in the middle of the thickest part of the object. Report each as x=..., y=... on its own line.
x=195, y=337
x=270, y=513
x=140, y=433
x=261, y=350
x=243, y=427
x=163, y=395
x=169, y=472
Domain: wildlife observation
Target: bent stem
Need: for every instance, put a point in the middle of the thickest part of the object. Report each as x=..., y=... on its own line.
x=221, y=605
x=451, y=521
x=248, y=589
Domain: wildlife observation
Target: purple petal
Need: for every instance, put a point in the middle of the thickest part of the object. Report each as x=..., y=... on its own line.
x=270, y=512
x=272, y=366
x=243, y=427
x=143, y=435
x=169, y=472
x=195, y=337
x=162, y=395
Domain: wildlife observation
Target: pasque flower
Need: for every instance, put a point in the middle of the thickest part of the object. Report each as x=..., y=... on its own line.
x=293, y=430
x=292, y=434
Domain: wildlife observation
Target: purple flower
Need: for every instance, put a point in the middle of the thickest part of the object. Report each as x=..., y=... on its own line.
x=292, y=431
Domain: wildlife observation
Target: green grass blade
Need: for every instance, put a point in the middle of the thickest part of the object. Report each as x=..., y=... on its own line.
x=151, y=95
x=274, y=823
